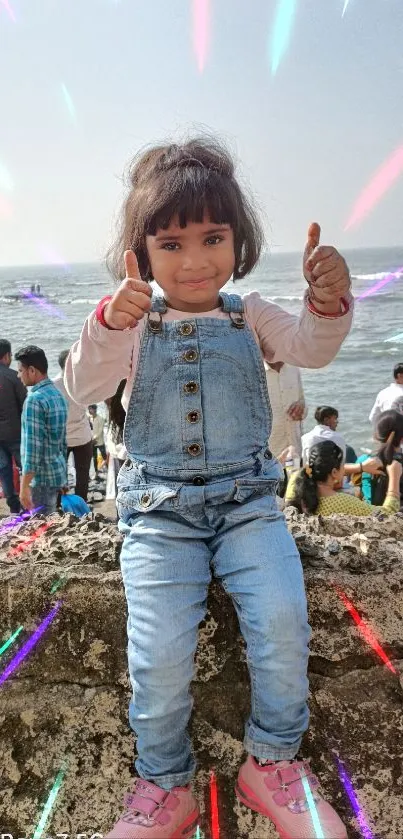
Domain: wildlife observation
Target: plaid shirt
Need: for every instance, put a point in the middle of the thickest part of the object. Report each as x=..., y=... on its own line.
x=43, y=435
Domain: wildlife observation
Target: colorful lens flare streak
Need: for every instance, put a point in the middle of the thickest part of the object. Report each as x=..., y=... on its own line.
x=201, y=31
x=394, y=275
x=281, y=31
x=7, y=7
x=18, y=519
x=49, y=804
x=365, y=630
x=312, y=808
x=345, y=7
x=30, y=643
x=378, y=185
x=27, y=542
x=366, y=832
x=39, y=301
x=10, y=640
x=215, y=824
x=69, y=103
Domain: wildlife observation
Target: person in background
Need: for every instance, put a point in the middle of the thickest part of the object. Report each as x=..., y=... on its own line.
x=288, y=407
x=78, y=432
x=98, y=442
x=12, y=397
x=43, y=434
x=315, y=489
x=390, y=398
x=389, y=432
x=114, y=435
x=327, y=419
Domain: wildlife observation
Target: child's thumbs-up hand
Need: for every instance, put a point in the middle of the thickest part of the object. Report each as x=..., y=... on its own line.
x=325, y=270
x=132, y=299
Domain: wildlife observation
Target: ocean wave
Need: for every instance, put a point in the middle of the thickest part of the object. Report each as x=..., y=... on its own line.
x=283, y=297
x=380, y=276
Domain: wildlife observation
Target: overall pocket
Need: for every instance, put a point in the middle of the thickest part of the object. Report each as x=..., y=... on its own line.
x=248, y=488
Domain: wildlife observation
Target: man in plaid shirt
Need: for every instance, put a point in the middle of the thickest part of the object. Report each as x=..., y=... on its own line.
x=43, y=433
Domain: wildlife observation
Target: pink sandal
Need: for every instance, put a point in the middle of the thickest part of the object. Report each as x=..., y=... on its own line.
x=156, y=813
x=276, y=790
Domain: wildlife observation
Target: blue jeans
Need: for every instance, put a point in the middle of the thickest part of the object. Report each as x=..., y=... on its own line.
x=46, y=498
x=175, y=536
x=8, y=451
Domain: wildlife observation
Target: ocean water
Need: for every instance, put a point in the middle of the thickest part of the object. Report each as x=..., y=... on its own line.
x=350, y=383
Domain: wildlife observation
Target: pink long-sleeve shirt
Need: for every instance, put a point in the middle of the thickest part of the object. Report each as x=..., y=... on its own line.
x=103, y=357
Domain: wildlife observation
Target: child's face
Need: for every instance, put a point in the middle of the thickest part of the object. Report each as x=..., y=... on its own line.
x=191, y=264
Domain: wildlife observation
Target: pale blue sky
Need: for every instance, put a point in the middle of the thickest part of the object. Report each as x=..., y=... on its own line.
x=308, y=139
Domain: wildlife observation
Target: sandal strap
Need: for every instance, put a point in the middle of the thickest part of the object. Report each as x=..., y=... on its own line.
x=149, y=800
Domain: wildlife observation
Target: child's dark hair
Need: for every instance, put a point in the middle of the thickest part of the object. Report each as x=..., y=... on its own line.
x=390, y=422
x=185, y=180
x=324, y=412
x=323, y=458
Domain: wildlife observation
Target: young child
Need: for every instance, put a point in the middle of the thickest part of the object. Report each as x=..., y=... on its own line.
x=197, y=493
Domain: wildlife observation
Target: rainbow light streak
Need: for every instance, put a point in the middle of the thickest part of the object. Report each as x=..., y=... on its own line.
x=282, y=31
x=395, y=338
x=49, y=804
x=215, y=824
x=345, y=7
x=366, y=832
x=18, y=519
x=9, y=641
x=312, y=808
x=53, y=258
x=394, y=275
x=69, y=103
x=378, y=185
x=24, y=545
x=365, y=630
x=39, y=301
x=30, y=643
x=57, y=585
x=201, y=31
x=7, y=7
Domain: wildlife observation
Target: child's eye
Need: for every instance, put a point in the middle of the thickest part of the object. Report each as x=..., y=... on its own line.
x=170, y=246
x=214, y=240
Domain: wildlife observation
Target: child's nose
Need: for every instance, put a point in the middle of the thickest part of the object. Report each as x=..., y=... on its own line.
x=194, y=259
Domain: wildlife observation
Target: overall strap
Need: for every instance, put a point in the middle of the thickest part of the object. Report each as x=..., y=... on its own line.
x=231, y=302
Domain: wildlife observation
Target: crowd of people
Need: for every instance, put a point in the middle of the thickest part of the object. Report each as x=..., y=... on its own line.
x=40, y=426
x=323, y=474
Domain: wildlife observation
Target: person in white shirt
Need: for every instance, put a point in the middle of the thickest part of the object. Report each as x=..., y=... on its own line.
x=327, y=419
x=78, y=433
x=288, y=407
x=390, y=398
x=97, y=424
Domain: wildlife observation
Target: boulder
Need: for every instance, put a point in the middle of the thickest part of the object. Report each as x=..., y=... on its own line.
x=66, y=706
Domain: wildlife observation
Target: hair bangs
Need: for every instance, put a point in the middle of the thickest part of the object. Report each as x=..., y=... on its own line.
x=188, y=195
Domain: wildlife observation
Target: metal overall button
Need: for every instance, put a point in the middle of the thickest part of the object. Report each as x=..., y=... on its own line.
x=145, y=500
x=193, y=416
x=191, y=387
x=190, y=355
x=194, y=449
x=237, y=321
x=198, y=481
x=186, y=329
x=268, y=455
x=155, y=325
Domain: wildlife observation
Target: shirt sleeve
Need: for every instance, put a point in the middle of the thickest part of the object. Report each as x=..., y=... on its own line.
x=34, y=434
x=304, y=341
x=98, y=361
x=375, y=413
x=21, y=394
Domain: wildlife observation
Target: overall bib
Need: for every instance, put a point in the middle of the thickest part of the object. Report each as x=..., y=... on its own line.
x=197, y=496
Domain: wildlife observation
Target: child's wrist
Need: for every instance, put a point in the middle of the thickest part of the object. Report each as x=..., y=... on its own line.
x=100, y=311
x=333, y=309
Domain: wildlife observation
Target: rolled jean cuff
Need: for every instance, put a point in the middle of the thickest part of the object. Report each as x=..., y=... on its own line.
x=265, y=752
x=178, y=779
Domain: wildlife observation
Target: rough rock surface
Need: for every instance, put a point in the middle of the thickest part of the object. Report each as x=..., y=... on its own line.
x=67, y=703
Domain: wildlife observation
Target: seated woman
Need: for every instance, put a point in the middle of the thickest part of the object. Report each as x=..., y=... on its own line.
x=314, y=490
x=389, y=432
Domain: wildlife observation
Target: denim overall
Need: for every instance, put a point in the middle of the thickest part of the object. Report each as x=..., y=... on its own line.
x=197, y=496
